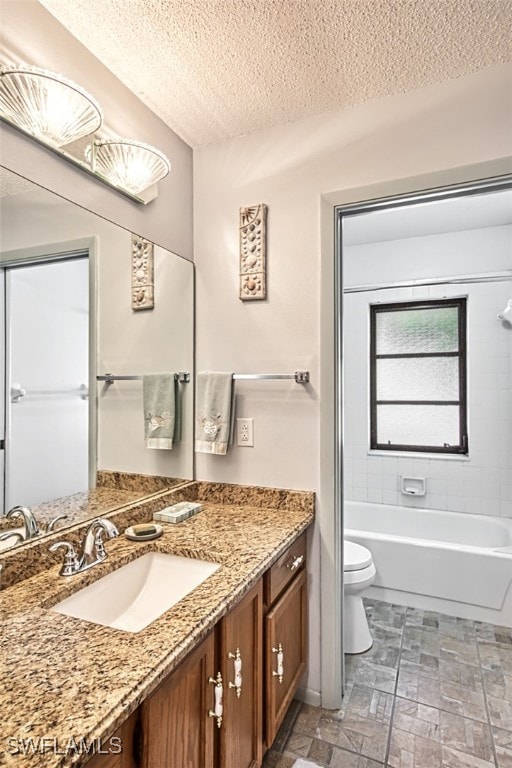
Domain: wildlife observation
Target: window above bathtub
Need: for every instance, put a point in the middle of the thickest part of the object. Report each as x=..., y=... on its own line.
x=418, y=376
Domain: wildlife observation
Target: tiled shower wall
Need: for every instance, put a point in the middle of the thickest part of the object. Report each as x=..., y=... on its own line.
x=479, y=484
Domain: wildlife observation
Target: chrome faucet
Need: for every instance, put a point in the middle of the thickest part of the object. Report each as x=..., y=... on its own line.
x=93, y=548
x=31, y=527
x=12, y=535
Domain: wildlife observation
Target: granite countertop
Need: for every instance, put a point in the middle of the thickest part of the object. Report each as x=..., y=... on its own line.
x=69, y=679
x=113, y=490
x=77, y=507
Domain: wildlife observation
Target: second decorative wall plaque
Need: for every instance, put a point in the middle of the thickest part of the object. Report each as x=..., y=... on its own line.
x=253, y=252
x=143, y=296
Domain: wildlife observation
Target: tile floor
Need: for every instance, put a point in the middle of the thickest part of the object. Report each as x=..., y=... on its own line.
x=433, y=692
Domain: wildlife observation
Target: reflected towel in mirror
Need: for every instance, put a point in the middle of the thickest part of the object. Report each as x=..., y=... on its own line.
x=162, y=411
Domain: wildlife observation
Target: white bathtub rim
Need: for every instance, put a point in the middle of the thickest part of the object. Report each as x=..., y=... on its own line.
x=505, y=552
x=501, y=523
x=504, y=521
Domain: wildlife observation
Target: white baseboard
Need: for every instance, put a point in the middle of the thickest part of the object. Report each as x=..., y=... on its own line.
x=308, y=696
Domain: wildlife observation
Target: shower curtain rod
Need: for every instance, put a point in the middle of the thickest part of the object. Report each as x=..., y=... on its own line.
x=489, y=277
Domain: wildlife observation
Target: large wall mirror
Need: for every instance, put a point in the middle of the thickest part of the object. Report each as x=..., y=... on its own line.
x=66, y=317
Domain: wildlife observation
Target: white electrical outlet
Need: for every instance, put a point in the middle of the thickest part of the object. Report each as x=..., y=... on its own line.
x=245, y=432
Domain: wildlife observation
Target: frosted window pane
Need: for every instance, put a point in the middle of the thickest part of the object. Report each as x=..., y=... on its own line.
x=419, y=378
x=429, y=425
x=417, y=330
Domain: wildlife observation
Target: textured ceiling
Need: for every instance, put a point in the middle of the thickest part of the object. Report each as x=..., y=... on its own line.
x=214, y=69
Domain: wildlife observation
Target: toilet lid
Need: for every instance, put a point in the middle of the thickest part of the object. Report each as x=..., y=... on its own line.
x=355, y=556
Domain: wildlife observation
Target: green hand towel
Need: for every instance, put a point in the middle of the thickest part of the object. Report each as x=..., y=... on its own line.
x=214, y=412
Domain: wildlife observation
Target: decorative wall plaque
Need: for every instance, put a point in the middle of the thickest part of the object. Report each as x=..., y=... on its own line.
x=253, y=252
x=142, y=274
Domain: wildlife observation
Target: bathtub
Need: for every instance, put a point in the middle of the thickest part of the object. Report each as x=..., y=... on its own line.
x=450, y=562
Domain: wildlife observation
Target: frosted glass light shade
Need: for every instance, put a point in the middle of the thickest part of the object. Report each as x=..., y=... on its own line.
x=47, y=105
x=130, y=165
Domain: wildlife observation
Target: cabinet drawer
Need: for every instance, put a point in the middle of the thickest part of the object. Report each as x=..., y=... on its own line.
x=282, y=572
x=285, y=635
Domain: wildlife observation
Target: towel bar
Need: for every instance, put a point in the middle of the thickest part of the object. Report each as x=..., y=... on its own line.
x=109, y=378
x=301, y=377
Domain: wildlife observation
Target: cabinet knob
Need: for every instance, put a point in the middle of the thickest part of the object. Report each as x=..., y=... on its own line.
x=295, y=562
x=237, y=665
x=218, y=693
x=280, y=663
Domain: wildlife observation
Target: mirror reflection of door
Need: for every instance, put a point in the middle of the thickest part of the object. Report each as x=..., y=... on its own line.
x=46, y=380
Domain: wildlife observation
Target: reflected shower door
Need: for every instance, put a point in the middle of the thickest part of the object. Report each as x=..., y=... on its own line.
x=47, y=375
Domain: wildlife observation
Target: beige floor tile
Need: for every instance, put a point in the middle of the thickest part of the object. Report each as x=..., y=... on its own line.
x=343, y=759
x=465, y=735
x=417, y=719
x=500, y=712
x=497, y=684
x=409, y=750
x=299, y=744
x=277, y=760
x=496, y=657
x=503, y=744
x=452, y=758
x=453, y=649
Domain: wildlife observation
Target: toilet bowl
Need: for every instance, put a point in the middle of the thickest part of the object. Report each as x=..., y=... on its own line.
x=359, y=573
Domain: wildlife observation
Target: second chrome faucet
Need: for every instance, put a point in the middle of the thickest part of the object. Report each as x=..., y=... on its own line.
x=93, y=548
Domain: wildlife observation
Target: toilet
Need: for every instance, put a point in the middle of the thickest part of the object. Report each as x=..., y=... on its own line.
x=359, y=573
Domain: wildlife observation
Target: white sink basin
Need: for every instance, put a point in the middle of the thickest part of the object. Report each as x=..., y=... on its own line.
x=137, y=593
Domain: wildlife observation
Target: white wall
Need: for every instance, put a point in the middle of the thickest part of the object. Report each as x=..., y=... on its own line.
x=128, y=342
x=35, y=37
x=463, y=252
x=289, y=168
x=481, y=483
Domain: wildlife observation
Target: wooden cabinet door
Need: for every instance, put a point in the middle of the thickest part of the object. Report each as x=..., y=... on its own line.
x=119, y=749
x=241, y=650
x=286, y=634
x=176, y=730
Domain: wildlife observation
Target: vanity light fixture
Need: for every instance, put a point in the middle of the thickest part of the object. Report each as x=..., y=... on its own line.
x=131, y=165
x=57, y=113
x=46, y=105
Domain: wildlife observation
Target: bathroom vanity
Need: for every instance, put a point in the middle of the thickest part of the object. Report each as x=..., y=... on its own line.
x=264, y=636
x=152, y=698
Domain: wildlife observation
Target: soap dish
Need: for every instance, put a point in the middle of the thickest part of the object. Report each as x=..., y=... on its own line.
x=131, y=533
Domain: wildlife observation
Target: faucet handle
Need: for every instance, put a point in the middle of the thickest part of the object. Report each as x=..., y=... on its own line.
x=100, y=546
x=71, y=563
x=111, y=530
x=51, y=525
